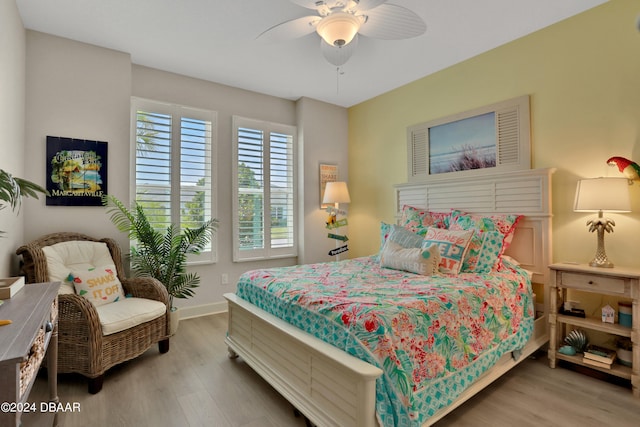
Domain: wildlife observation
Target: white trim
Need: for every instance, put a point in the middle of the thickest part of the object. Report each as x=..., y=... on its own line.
x=209, y=257
x=267, y=252
x=202, y=310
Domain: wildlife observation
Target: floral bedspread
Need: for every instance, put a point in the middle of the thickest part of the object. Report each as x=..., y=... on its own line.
x=432, y=336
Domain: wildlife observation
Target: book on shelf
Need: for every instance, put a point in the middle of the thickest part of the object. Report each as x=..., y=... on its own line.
x=592, y=362
x=600, y=354
x=10, y=286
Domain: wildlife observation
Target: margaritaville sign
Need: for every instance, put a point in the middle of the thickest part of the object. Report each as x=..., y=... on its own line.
x=76, y=171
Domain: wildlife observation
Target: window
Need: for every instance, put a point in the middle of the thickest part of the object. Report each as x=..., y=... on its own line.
x=173, y=168
x=264, y=200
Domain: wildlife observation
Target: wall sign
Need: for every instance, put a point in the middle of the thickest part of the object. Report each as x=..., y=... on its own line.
x=328, y=173
x=76, y=171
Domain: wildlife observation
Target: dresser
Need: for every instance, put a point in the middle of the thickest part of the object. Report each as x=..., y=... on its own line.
x=33, y=333
x=618, y=282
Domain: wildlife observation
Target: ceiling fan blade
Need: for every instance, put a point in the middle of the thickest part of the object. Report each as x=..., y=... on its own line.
x=338, y=55
x=309, y=4
x=369, y=4
x=392, y=22
x=295, y=28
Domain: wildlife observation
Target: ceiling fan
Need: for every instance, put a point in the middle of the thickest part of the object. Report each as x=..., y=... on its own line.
x=339, y=22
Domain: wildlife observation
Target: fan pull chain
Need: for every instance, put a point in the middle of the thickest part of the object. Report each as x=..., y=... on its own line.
x=339, y=72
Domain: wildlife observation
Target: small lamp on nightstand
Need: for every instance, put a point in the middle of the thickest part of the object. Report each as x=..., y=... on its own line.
x=598, y=195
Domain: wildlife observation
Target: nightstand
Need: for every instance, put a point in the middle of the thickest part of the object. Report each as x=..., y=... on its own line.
x=620, y=282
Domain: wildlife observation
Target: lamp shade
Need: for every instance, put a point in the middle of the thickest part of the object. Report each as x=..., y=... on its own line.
x=602, y=194
x=338, y=29
x=336, y=192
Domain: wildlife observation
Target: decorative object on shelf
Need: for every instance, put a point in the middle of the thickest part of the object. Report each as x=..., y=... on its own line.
x=600, y=357
x=571, y=308
x=336, y=193
x=568, y=350
x=629, y=168
x=598, y=195
x=13, y=189
x=625, y=314
x=10, y=286
x=608, y=314
x=577, y=339
x=624, y=351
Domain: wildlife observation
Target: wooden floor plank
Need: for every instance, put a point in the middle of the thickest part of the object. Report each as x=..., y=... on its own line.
x=196, y=384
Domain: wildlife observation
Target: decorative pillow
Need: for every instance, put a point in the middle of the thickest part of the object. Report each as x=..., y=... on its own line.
x=404, y=237
x=399, y=235
x=100, y=285
x=385, y=230
x=74, y=255
x=492, y=237
x=417, y=220
x=453, y=246
x=422, y=261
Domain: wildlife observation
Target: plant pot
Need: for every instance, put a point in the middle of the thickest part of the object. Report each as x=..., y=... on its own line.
x=625, y=357
x=174, y=319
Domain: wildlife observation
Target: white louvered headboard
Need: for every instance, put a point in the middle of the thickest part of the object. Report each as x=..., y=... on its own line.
x=526, y=192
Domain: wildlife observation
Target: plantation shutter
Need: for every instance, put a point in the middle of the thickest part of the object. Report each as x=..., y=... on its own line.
x=264, y=187
x=251, y=189
x=282, y=218
x=195, y=172
x=153, y=166
x=173, y=166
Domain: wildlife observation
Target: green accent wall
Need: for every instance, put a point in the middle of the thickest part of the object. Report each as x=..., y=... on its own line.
x=583, y=77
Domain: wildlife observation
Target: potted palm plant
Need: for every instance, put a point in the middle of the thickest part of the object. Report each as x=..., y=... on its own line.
x=161, y=255
x=13, y=189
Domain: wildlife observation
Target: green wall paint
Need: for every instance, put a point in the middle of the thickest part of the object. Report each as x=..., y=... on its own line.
x=583, y=77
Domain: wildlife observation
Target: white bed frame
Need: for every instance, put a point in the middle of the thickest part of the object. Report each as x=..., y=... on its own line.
x=333, y=388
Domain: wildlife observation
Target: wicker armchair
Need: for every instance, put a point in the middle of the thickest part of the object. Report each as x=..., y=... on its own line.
x=82, y=347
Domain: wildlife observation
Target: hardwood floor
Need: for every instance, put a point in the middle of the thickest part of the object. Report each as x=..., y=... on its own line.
x=196, y=384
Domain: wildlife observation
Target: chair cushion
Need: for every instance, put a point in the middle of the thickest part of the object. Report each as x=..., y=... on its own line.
x=127, y=313
x=74, y=255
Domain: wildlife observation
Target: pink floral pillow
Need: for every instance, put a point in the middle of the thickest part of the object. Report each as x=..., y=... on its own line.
x=453, y=246
x=417, y=220
x=493, y=234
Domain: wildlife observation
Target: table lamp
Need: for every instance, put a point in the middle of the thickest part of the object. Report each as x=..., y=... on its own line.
x=599, y=195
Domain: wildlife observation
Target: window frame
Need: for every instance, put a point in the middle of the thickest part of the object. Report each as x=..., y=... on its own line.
x=267, y=251
x=178, y=112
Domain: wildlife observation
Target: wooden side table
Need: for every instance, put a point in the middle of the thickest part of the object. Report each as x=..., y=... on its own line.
x=620, y=282
x=23, y=344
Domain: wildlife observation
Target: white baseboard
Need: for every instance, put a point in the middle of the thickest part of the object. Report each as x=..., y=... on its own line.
x=202, y=310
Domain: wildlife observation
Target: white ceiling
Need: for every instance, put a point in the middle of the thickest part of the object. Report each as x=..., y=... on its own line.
x=215, y=40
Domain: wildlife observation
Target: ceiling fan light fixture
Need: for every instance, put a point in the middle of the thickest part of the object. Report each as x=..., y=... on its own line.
x=339, y=28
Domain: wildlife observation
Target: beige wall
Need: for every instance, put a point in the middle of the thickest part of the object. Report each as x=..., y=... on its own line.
x=12, y=120
x=82, y=91
x=323, y=133
x=583, y=75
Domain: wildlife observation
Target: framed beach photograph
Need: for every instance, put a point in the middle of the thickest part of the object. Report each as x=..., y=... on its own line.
x=463, y=144
x=485, y=140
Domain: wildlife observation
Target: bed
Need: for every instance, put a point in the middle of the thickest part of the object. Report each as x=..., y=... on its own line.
x=332, y=386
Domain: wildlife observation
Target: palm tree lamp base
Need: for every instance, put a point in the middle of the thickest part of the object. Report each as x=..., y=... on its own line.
x=600, y=259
